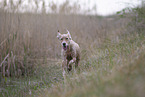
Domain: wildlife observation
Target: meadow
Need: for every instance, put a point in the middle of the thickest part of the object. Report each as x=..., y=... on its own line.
x=112, y=55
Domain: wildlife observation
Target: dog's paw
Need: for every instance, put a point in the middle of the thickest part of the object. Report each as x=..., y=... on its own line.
x=69, y=68
x=71, y=62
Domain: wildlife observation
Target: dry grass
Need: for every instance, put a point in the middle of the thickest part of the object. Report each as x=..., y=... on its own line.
x=31, y=36
x=30, y=55
x=116, y=68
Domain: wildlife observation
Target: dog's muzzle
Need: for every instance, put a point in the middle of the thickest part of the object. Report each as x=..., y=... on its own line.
x=64, y=46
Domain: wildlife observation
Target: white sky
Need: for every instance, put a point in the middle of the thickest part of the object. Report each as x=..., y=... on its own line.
x=104, y=7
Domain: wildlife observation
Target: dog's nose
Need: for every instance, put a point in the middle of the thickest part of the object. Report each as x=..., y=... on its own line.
x=64, y=44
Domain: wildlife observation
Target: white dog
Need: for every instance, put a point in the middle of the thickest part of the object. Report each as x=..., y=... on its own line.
x=70, y=51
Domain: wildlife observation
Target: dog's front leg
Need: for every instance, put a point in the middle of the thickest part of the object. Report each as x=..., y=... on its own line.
x=70, y=63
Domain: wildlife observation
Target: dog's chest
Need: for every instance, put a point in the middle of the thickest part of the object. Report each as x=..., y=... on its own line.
x=68, y=55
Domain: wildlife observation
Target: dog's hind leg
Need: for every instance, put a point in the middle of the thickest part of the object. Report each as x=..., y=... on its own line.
x=63, y=67
x=77, y=63
x=69, y=68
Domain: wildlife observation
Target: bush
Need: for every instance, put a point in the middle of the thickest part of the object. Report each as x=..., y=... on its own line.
x=137, y=16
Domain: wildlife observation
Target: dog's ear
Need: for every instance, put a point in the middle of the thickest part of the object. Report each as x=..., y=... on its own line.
x=58, y=35
x=68, y=34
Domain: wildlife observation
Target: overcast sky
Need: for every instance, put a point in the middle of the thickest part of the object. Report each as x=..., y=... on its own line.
x=103, y=7
x=106, y=7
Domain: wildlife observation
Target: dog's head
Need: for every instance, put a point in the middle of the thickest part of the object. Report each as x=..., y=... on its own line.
x=65, y=39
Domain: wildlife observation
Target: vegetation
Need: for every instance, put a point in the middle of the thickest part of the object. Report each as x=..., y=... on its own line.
x=116, y=69
x=112, y=55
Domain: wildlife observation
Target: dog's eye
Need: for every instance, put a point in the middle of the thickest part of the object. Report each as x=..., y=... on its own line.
x=61, y=39
x=66, y=38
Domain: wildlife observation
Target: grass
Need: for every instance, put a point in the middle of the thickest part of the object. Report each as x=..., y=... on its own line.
x=111, y=56
x=115, y=69
x=42, y=77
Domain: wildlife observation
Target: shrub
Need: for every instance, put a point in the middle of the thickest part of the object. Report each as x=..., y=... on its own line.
x=137, y=16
